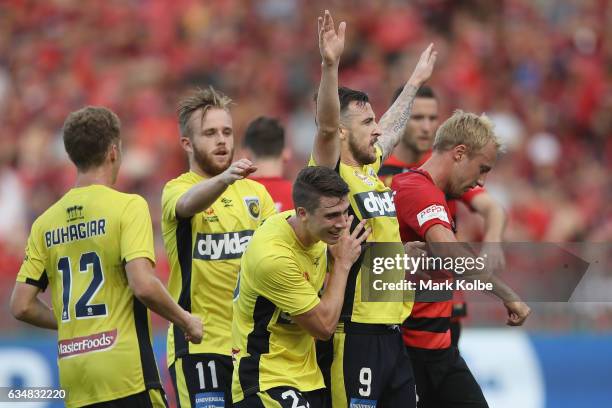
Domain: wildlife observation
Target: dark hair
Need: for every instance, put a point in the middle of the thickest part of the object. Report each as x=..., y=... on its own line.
x=199, y=99
x=89, y=134
x=315, y=182
x=424, y=91
x=348, y=95
x=265, y=137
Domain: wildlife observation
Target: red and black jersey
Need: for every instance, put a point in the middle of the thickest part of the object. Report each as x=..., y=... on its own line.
x=394, y=166
x=279, y=189
x=420, y=205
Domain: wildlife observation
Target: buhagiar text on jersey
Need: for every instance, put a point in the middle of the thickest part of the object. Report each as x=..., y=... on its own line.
x=75, y=232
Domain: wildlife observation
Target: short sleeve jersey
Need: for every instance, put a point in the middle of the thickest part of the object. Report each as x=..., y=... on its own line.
x=78, y=248
x=420, y=205
x=204, y=253
x=279, y=278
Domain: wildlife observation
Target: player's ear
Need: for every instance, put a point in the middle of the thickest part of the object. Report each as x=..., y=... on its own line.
x=186, y=144
x=300, y=212
x=342, y=132
x=459, y=151
x=114, y=152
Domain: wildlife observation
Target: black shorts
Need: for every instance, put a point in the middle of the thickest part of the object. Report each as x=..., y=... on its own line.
x=152, y=398
x=369, y=367
x=443, y=379
x=284, y=397
x=202, y=379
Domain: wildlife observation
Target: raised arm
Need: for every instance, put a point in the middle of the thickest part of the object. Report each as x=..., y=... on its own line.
x=326, y=150
x=393, y=122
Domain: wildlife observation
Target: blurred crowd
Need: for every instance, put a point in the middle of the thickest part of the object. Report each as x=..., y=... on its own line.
x=541, y=69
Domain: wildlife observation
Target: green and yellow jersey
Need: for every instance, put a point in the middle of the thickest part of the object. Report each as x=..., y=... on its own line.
x=370, y=199
x=279, y=278
x=78, y=248
x=204, y=253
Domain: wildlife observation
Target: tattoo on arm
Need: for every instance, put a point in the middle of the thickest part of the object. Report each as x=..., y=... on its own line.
x=393, y=122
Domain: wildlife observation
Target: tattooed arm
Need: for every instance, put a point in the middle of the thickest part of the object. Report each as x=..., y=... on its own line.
x=393, y=122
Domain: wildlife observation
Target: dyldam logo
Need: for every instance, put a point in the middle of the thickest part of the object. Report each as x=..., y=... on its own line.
x=228, y=245
x=86, y=344
x=375, y=204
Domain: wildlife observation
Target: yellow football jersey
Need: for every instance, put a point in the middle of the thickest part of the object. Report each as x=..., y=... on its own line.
x=204, y=253
x=78, y=247
x=370, y=199
x=279, y=278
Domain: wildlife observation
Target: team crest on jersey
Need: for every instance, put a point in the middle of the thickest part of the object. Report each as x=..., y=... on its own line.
x=74, y=213
x=364, y=178
x=252, y=204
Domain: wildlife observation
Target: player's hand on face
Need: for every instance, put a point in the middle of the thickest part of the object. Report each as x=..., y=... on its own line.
x=238, y=170
x=331, y=43
x=517, y=313
x=348, y=247
x=424, y=66
x=194, y=329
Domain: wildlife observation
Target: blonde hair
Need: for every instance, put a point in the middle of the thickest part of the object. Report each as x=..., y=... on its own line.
x=204, y=99
x=468, y=129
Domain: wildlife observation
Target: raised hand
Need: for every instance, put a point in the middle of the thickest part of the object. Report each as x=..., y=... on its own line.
x=238, y=170
x=424, y=67
x=331, y=43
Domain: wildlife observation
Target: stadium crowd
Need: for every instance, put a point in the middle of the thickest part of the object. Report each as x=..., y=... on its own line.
x=541, y=70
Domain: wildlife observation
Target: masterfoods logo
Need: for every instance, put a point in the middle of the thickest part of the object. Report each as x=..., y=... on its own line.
x=229, y=245
x=375, y=204
x=86, y=344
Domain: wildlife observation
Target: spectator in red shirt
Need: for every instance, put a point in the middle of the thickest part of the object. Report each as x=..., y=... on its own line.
x=264, y=143
x=464, y=151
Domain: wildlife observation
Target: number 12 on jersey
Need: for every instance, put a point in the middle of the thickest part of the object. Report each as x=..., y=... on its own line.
x=82, y=308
